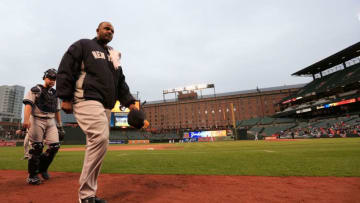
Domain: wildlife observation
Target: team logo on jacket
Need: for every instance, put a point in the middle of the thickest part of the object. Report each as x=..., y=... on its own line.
x=98, y=54
x=115, y=58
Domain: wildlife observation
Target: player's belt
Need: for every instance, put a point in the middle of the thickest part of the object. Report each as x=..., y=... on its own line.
x=42, y=117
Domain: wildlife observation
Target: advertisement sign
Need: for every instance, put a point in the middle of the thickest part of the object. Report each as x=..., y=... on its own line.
x=186, y=135
x=349, y=101
x=215, y=133
x=303, y=110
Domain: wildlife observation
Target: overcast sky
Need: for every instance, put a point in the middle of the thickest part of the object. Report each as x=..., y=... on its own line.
x=234, y=44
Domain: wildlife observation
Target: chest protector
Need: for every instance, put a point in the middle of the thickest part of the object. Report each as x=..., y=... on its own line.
x=47, y=100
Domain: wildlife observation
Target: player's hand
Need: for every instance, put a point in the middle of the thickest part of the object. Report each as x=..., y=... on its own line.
x=18, y=132
x=146, y=124
x=26, y=124
x=66, y=106
x=133, y=107
x=61, y=132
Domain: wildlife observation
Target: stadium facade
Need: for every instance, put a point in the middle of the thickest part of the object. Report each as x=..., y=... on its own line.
x=189, y=111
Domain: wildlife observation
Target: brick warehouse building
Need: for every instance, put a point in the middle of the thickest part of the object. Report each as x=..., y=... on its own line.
x=188, y=111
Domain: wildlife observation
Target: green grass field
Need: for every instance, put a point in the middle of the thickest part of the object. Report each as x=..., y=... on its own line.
x=310, y=157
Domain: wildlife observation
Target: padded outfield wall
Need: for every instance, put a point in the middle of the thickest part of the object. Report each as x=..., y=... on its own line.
x=74, y=135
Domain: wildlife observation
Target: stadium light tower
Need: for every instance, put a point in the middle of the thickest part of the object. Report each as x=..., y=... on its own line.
x=188, y=89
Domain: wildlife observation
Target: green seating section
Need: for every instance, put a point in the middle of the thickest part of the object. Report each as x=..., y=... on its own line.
x=270, y=130
x=312, y=86
x=238, y=123
x=302, y=125
x=325, y=123
x=354, y=121
x=348, y=76
x=337, y=79
x=266, y=120
x=250, y=122
x=256, y=129
x=284, y=120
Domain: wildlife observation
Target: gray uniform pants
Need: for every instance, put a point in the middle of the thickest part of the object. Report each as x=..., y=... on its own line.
x=26, y=146
x=93, y=119
x=43, y=128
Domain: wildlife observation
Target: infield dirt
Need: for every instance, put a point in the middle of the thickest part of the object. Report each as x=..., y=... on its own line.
x=62, y=187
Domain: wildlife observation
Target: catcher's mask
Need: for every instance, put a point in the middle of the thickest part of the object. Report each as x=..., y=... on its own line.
x=51, y=74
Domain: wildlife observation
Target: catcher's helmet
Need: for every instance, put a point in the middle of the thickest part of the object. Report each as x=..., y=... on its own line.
x=50, y=73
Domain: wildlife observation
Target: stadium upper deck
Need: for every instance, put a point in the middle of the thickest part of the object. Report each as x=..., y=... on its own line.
x=334, y=90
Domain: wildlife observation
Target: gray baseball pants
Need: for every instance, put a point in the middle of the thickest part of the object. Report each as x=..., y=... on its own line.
x=41, y=128
x=93, y=119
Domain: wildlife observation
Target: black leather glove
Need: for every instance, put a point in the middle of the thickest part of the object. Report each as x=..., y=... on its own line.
x=136, y=118
x=61, y=132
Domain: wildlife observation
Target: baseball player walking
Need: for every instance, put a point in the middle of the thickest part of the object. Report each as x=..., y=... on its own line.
x=41, y=111
x=89, y=82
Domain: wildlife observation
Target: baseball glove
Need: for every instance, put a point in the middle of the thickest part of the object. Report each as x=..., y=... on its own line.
x=136, y=118
x=61, y=132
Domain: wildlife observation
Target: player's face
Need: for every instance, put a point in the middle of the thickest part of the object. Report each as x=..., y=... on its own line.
x=49, y=82
x=105, y=32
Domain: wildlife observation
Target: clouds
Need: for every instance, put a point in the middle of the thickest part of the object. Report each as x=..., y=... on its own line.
x=236, y=45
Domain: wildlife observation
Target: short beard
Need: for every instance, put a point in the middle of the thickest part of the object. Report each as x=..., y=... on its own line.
x=103, y=41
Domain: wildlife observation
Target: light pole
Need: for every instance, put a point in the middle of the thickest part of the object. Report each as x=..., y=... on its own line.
x=233, y=118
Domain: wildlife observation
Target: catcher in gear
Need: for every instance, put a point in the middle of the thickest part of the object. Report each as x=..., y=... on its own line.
x=41, y=111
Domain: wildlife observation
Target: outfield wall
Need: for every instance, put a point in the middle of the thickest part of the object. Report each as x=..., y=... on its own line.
x=74, y=135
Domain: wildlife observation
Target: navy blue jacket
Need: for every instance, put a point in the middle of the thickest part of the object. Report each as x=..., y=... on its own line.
x=103, y=82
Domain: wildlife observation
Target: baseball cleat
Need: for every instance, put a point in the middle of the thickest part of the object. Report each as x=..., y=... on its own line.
x=35, y=180
x=93, y=200
x=88, y=200
x=99, y=200
x=45, y=175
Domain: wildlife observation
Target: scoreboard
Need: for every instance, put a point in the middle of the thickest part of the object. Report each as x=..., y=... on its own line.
x=119, y=116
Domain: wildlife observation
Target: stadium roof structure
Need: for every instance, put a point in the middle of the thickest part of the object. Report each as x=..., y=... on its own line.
x=331, y=61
